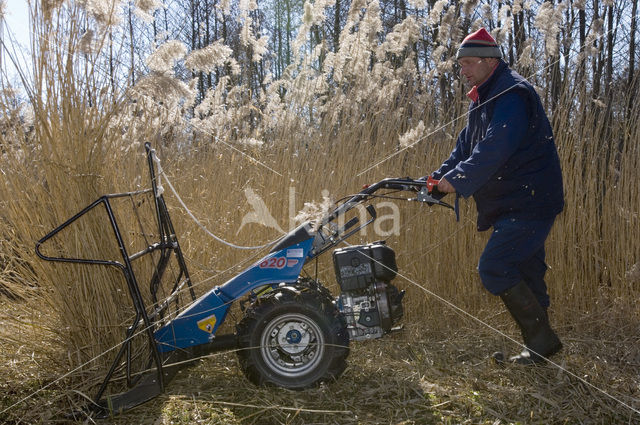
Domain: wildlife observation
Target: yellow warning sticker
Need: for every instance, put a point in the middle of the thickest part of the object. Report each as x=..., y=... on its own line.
x=208, y=323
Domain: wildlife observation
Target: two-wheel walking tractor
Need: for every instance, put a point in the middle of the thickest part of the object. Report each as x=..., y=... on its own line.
x=293, y=333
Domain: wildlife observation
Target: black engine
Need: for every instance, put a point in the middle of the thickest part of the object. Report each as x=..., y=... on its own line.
x=369, y=302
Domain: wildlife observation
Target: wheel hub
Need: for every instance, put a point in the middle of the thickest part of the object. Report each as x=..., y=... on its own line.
x=292, y=344
x=294, y=337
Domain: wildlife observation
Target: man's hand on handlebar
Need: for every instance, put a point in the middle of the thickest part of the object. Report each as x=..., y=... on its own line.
x=445, y=186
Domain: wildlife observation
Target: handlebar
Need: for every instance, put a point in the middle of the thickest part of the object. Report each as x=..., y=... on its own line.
x=427, y=192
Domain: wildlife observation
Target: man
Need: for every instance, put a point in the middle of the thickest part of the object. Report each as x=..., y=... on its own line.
x=506, y=158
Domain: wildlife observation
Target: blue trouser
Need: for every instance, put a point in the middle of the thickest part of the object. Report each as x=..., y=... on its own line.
x=514, y=253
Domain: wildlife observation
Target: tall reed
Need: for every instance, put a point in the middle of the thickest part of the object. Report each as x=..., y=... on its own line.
x=285, y=146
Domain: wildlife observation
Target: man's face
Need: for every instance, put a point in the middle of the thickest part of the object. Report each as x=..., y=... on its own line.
x=476, y=70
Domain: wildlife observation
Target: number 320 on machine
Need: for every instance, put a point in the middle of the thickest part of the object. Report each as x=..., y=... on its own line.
x=277, y=263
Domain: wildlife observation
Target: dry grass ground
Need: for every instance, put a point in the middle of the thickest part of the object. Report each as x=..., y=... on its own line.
x=436, y=370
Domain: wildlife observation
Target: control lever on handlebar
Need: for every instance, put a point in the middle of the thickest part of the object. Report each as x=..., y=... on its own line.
x=431, y=195
x=372, y=211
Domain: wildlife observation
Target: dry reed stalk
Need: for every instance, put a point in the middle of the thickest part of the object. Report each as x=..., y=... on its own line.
x=62, y=163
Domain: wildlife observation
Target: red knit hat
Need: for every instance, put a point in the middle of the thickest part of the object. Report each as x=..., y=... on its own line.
x=479, y=44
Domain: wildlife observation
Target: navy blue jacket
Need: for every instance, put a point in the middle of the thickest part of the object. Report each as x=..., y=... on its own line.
x=506, y=156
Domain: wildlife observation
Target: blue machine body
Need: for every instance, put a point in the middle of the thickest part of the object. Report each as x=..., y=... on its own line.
x=198, y=323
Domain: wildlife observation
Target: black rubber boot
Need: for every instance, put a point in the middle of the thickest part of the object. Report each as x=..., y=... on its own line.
x=541, y=341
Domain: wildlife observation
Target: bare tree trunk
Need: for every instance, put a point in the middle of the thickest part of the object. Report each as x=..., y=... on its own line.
x=112, y=78
x=518, y=33
x=288, y=30
x=194, y=23
x=194, y=6
x=336, y=26
x=1, y=47
x=632, y=81
x=512, y=58
x=401, y=12
x=610, y=37
x=555, y=75
x=581, y=68
x=567, y=31
x=132, y=72
x=597, y=59
x=216, y=35
x=279, y=42
x=582, y=24
x=608, y=80
x=166, y=20
x=208, y=38
x=154, y=25
x=582, y=18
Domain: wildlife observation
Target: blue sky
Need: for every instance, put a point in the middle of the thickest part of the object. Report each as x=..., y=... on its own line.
x=17, y=20
x=16, y=29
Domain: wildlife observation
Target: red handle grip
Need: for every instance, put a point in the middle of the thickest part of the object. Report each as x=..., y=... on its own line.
x=431, y=183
